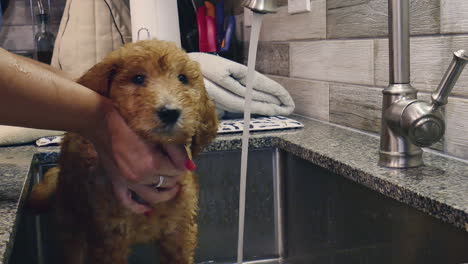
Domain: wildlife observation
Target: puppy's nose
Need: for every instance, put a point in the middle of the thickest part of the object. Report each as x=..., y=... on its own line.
x=168, y=116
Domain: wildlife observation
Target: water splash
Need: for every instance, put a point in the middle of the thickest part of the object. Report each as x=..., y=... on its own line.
x=19, y=68
x=254, y=35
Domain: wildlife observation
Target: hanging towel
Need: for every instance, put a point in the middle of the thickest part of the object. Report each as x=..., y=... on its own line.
x=1, y=14
x=88, y=31
x=225, y=82
x=10, y=135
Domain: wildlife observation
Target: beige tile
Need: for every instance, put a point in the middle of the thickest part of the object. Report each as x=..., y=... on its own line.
x=424, y=17
x=18, y=13
x=282, y=26
x=273, y=58
x=454, y=16
x=282, y=2
x=430, y=57
x=370, y=18
x=333, y=4
x=246, y=32
x=348, y=61
x=247, y=17
x=310, y=97
x=17, y=37
x=456, y=134
x=240, y=27
x=359, y=20
x=355, y=106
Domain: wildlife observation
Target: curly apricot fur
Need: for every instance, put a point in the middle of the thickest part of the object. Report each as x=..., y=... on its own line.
x=93, y=226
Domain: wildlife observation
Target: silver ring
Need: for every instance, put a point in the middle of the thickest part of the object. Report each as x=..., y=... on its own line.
x=160, y=183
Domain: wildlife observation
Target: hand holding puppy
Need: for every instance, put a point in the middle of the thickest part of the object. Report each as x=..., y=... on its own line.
x=134, y=165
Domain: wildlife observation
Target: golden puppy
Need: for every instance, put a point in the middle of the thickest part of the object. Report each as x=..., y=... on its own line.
x=159, y=91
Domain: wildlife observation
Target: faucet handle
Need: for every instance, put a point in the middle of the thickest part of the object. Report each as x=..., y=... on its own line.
x=416, y=120
x=439, y=97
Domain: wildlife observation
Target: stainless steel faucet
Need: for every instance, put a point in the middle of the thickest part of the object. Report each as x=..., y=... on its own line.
x=261, y=6
x=408, y=123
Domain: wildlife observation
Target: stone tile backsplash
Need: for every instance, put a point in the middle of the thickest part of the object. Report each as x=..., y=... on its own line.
x=335, y=60
x=282, y=26
x=310, y=97
x=454, y=16
x=356, y=106
x=336, y=64
x=350, y=19
x=273, y=58
x=430, y=58
x=456, y=136
x=17, y=38
x=19, y=25
x=18, y=13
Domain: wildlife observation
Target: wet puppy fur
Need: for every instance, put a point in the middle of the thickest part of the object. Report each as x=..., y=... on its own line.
x=147, y=81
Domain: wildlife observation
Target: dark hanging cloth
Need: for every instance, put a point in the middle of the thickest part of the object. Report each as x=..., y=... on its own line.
x=4, y=4
x=188, y=25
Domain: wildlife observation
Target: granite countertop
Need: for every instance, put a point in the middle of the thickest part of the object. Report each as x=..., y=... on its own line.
x=440, y=188
x=15, y=163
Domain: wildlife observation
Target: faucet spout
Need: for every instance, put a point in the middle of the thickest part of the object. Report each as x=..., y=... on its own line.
x=396, y=150
x=399, y=44
x=261, y=6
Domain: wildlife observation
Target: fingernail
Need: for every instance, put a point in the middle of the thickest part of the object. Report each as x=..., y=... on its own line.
x=190, y=165
x=148, y=213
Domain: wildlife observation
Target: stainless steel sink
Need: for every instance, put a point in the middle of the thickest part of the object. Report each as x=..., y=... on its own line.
x=296, y=213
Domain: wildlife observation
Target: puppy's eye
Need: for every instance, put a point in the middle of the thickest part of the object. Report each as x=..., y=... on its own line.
x=139, y=79
x=183, y=79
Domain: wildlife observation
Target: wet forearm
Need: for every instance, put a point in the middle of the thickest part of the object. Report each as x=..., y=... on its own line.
x=34, y=96
x=47, y=67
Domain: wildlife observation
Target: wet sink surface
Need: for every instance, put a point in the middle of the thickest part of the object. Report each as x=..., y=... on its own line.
x=296, y=213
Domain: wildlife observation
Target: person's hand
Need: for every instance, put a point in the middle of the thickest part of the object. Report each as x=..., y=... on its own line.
x=135, y=165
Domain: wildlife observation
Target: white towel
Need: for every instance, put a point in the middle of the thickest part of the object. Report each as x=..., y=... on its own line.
x=225, y=82
x=10, y=135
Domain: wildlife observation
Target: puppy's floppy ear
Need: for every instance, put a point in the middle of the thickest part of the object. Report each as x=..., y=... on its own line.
x=208, y=128
x=99, y=78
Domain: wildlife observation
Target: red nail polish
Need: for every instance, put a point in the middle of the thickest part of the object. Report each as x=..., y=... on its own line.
x=148, y=213
x=190, y=165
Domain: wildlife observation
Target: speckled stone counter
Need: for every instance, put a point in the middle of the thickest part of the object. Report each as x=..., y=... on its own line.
x=440, y=188
x=15, y=163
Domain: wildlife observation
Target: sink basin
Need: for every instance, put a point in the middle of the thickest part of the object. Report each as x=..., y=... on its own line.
x=296, y=213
